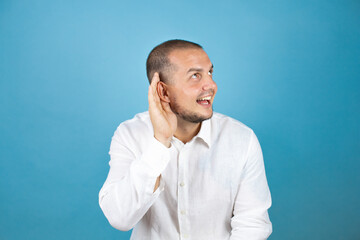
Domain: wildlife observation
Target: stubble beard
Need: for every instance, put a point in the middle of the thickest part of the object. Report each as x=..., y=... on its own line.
x=188, y=116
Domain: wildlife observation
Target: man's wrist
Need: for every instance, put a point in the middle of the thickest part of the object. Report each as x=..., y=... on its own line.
x=165, y=142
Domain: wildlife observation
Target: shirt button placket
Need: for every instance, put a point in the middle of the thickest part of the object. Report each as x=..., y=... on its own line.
x=182, y=197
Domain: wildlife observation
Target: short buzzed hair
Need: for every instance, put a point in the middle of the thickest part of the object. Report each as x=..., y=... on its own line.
x=158, y=60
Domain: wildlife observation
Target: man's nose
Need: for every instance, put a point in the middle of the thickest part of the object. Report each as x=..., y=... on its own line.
x=209, y=84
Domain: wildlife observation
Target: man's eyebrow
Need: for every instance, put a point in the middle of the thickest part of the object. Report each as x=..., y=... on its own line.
x=198, y=69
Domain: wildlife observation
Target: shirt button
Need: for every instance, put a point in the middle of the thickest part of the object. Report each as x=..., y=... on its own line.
x=182, y=184
x=182, y=212
x=185, y=236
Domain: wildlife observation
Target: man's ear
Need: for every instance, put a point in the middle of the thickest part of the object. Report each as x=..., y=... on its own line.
x=163, y=92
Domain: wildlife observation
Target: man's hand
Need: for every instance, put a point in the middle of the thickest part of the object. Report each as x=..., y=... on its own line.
x=164, y=121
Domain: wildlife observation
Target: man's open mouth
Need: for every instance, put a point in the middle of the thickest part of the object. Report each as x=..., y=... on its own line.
x=204, y=100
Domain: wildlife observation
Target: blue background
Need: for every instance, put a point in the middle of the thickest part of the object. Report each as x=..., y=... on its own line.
x=71, y=71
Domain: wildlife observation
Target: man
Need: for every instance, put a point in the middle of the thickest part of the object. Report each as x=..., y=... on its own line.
x=180, y=171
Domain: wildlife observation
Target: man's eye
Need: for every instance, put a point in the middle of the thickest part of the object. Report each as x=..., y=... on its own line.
x=210, y=73
x=195, y=76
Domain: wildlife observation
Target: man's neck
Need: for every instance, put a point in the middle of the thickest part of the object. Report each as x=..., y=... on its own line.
x=186, y=130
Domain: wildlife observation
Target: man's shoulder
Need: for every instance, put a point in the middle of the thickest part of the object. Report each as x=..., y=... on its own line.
x=223, y=121
x=134, y=133
x=139, y=117
x=230, y=130
x=140, y=122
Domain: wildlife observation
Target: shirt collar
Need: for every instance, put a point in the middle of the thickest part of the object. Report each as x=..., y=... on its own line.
x=205, y=132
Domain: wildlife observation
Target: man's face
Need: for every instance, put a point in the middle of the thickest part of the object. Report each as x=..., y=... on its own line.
x=191, y=89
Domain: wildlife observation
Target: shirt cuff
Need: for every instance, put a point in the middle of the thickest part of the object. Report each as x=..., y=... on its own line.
x=160, y=188
x=155, y=158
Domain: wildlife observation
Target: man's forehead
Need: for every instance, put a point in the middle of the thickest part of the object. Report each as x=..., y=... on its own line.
x=188, y=58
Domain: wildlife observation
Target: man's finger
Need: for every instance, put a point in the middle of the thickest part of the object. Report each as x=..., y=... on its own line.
x=154, y=81
x=153, y=96
x=154, y=84
x=155, y=77
x=166, y=107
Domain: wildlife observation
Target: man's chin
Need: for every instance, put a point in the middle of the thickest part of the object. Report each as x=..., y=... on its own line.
x=194, y=118
x=208, y=116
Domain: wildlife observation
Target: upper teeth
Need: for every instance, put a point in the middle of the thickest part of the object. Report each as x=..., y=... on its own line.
x=205, y=98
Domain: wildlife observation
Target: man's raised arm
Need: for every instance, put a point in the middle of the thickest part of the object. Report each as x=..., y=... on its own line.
x=134, y=181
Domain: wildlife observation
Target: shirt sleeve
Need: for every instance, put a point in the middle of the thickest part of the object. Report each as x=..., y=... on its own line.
x=250, y=219
x=127, y=193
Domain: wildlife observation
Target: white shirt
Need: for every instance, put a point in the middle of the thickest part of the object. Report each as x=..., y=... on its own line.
x=213, y=187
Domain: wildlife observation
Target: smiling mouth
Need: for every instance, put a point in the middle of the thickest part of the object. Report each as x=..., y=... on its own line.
x=204, y=101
